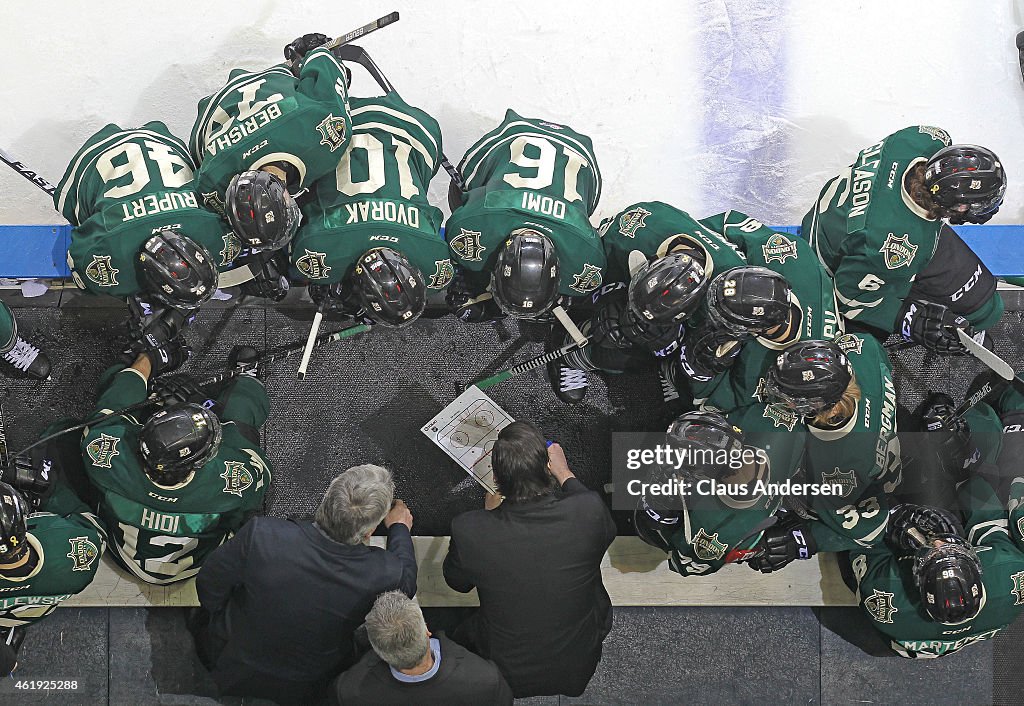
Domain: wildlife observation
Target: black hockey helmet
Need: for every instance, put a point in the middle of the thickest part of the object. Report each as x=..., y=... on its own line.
x=178, y=440
x=261, y=211
x=706, y=440
x=966, y=175
x=808, y=377
x=176, y=270
x=14, y=511
x=949, y=579
x=388, y=287
x=667, y=289
x=524, y=282
x=748, y=299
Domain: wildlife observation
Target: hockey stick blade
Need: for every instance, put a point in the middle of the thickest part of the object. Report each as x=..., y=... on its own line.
x=32, y=176
x=990, y=359
x=363, y=31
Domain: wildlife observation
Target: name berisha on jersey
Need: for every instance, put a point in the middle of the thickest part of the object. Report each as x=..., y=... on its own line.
x=252, y=115
x=387, y=211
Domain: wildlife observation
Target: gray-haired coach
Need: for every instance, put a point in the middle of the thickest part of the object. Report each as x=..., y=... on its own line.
x=284, y=596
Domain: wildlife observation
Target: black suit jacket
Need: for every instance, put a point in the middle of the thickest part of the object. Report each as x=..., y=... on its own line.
x=544, y=611
x=462, y=678
x=286, y=599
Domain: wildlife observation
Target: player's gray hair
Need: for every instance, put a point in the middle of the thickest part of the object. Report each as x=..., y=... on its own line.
x=355, y=503
x=397, y=631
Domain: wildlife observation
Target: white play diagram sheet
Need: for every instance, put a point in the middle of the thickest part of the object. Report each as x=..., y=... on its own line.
x=466, y=430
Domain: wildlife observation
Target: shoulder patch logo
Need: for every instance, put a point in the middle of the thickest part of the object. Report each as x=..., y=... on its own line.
x=236, y=477
x=467, y=245
x=332, y=132
x=588, y=280
x=313, y=264
x=848, y=343
x=444, y=273
x=1020, y=526
x=936, y=133
x=232, y=248
x=898, y=251
x=101, y=451
x=847, y=480
x=214, y=203
x=1018, y=587
x=632, y=221
x=780, y=416
x=102, y=272
x=779, y=248
x=879, y=604
x=707, y=547
x=83, y=553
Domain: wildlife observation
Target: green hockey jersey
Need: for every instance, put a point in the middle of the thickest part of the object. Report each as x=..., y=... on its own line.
x=867, y=231
x=716, y=525
x=862, y=457
x=261, y=117
x=120, y=188
x=530, y=173
x=815, y=314
x=163, y=534
x=8, y=328
x=68, y=541
x=886, y=590
x=377, y=197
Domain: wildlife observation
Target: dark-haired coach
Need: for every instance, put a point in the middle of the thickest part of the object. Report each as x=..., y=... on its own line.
x=535, y=560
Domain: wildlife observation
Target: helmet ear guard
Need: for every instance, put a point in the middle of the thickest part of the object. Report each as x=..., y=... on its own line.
x=525, y=278
x=261, y=211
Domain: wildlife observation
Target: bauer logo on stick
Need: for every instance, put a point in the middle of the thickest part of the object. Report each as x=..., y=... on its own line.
x=467, y=245
x=880, y=606
x=236, y=477
x=102, y=272
x=313, y=265
x=102, y=450
x=83, y=553
x=632, y=221
x=898, y=251
x=332, y=132
x=778, y=249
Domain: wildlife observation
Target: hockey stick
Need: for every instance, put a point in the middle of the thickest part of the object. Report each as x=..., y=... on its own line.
x=270, y=356
x=5, y=456
x=363, y=31
x=311, y=339
x=532, y=364
x=987, y=357
x=351, y=52
x=32, y=176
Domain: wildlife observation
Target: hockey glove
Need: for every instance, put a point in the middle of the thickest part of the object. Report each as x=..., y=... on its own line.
x=708, y=352
x=153, y=325
x=178, y=389
x=934, y=327
x=651, y=529
x=33, y=479
x=949, y=436
x=271, y=280
x=929, y=521
x=297, y=50
x=780, y=545
x=168, y=357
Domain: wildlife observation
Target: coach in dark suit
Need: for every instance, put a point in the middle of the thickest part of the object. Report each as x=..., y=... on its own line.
x=284, y=597
x=408, y=665
x=535, y=560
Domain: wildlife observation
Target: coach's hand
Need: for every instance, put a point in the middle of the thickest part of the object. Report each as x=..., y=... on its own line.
x=557, y=465
x=399, y=513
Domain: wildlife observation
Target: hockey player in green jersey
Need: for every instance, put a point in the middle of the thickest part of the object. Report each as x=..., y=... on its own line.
x=877, y=228
x=647, y=239
x=521, y=232
x=844, y=391
x=18, y=357
x=722, y=514
x=175, y=488
x=369, y=228
x=934, y=597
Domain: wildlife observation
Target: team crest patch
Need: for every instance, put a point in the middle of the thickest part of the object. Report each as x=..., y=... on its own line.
x=102, y=272
x=936, y=133
x=588, y=280
x=707, y=547
x=332, y=132
x=879, y=604
x=632, y=221
x=444, y=272
x=232, y=248
x=313, y=264
x=1020, y=526
x=467, y=245
x=83, y=553
x=898, y=251
x=779, y=248
x=847, y=480
x=1018, y=587
x=848, y=343
x=102, y=450
x=780, y=416
x=214, y=203
x=236, y=477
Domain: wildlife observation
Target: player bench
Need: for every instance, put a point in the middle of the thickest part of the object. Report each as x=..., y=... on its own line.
x=634, y=573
